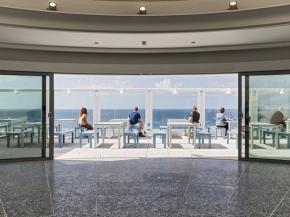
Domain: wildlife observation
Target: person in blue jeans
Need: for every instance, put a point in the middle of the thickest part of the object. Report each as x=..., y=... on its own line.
x=135, y=120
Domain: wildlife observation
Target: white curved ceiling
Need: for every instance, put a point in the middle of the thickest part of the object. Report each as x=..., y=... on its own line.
x=30, y=36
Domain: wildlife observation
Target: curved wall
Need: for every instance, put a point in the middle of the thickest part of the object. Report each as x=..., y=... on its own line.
x=236, y=59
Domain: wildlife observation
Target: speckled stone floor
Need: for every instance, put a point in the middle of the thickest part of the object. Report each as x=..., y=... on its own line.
x=144, y=187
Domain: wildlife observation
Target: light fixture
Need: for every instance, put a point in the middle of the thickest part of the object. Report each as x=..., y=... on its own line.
x=282, y=91
x=96, y=42
x=233, y=5
x=121, y=91
x=68, y=91
x=142, y=10
x=228, y=91
x=52, y=6
x=144, y=42
x=174, y=91
x=16, y=91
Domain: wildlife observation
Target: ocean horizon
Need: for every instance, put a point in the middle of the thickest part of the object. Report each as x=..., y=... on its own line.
x=160, y=116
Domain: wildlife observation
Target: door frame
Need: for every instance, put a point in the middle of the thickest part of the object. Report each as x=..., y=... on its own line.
x=243, y=78
x=44, y=107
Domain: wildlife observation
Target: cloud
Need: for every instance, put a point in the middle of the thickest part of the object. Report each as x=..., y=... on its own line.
x=167, y=83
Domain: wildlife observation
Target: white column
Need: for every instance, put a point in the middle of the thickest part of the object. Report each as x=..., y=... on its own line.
x=201, y=107
x=148, y=111
x=254, y=106
x=97, y=108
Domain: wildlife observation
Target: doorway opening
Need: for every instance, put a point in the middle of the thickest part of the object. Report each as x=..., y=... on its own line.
x=164, y=103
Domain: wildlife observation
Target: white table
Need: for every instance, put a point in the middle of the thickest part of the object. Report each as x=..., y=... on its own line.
x=126, y=121
x=260, y=125
x=10, y=122
x=180, y=124
x=120, y=125
x=59, y=122
x=38, y=126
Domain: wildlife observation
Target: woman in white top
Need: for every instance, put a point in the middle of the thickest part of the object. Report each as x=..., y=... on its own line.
x=83, y=119
x=221, y=120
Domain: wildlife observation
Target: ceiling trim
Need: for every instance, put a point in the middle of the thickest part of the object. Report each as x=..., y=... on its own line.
x=172, y=23
x=147, y=50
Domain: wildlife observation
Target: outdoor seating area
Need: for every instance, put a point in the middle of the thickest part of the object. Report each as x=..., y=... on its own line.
x=19, y=132
x=116, y=133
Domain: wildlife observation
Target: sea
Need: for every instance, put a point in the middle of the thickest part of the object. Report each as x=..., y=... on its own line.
x=160, y=116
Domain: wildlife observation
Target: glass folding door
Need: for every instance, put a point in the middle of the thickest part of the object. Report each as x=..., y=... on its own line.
x=265, y=127
x=24, y=122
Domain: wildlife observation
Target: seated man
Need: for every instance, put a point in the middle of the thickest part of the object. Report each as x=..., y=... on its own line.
x=278, y=118
x=135, y=120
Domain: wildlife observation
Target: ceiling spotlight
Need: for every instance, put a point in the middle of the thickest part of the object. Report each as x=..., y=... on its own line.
x=142, y=10
x=143, y=42
x=121, y=91
x=228, y=91
x=174, y=91
x=233, y=5
x=52, y=6
x=68, y=91
x=16, y=92
x=282, y=91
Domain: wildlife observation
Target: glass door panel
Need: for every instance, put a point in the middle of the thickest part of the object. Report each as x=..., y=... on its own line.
x=268, y=102
x=23, y=129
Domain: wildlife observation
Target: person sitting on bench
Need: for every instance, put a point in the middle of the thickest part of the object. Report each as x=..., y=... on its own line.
x=194, y=115
x=221, y=120
x=83, y=119
x=135, y=120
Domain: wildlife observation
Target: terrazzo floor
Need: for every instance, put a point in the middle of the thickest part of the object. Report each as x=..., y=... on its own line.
x=144, y=187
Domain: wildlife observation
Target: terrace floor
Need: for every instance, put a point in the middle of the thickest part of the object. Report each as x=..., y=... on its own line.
x=145, y=149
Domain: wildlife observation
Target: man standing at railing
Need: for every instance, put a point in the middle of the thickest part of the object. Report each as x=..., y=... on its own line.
x=135, y=120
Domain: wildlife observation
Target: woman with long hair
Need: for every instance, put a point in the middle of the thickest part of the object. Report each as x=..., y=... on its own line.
x=83, y=119
x=194, y=115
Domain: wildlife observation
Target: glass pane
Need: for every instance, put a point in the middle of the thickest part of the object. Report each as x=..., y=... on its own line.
x=20, y=116
x=269, y=109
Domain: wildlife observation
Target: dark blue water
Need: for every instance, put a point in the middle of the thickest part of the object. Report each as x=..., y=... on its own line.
x=160, y=116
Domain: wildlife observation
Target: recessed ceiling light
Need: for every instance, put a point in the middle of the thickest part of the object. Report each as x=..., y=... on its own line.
x=233, y=5
x=193, y=42
x=143, y=42
x=142, y=10
x=52, y=6
x=96, y=42
x=174, y=91
x=228, y=91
